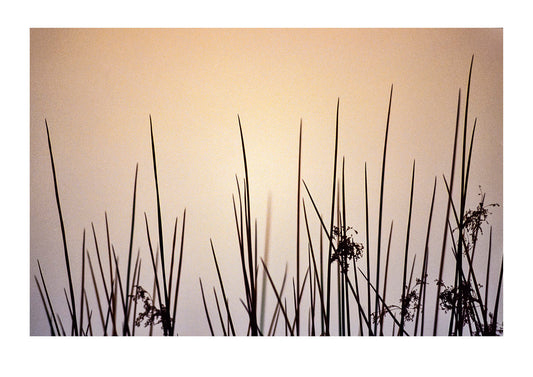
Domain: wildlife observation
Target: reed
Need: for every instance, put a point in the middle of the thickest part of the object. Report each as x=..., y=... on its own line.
x=351, y=298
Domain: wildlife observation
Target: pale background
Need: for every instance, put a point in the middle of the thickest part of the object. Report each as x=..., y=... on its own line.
x=96, y=89
x=511, y=349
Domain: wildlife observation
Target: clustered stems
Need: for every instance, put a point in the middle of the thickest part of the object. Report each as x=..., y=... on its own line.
x=308, y=304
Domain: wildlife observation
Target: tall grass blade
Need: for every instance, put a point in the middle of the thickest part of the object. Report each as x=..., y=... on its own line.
x=63, y=235
x=361, y=310
x=126, y=329
x=82, y=280
x=277, y=310
x=49, y=318
x=178, y=279
x=497, y=303
x=367, y=225
x=253, y=293
x=282, y=307
x=171, y=269
x=385, y=279
x=488, y=268
x=378, y=262
x=464, y=184
x=423, y=274
x=267, y=253
x=220, y=314
x=318, y=279
x=154, y=265
x=166, y=320
x=328, y=286
x=402, y=318
x=205, y=307
x=135, y=284
x=104, y=322
x=52, y=313
x=298, y=227
x=448, y=207
x=222, y=289
x=385, y=306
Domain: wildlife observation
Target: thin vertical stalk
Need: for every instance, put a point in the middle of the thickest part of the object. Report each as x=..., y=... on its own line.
x=488, y=268
x=222, y=288
x=136, y=283
x=82, y=289
x=154, y=266
x=381, y=315
x=367, y=226
x=497, y=303
x=448, y=207
x=178, y=278
x=63, y=235
x=267, y=249
x=166, y=320
x=318, y=279
x=205, y=307
x=376, y=309
x=328, y=287
x=464, y=184
x=298, y=227
x=52, y=314
x=99, y=264
x=423, y=275
x=253, y=293
x=402, y=318
x=126, y=329
x=220, y=314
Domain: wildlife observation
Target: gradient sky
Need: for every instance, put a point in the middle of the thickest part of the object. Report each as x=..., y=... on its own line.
x=97, y=88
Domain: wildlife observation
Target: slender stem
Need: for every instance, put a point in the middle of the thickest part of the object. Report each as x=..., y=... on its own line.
x=63, y=235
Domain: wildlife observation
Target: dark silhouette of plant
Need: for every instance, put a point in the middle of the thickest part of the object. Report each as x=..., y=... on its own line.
x=152, y=315
x=347, y=249
x=473, y=219
x=492, y=328
x=409, y=305
x=464, y=292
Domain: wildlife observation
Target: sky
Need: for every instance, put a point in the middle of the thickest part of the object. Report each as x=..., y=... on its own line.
x=97, y=88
